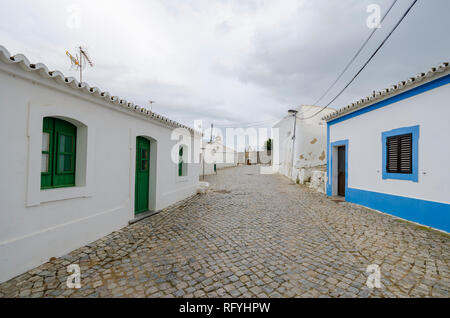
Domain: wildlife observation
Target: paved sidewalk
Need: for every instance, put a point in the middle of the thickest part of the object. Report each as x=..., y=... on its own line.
x=252, y=235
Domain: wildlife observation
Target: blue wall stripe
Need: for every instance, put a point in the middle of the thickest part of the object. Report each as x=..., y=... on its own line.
x=329, y=190
x=434, y=214
x=334, y=162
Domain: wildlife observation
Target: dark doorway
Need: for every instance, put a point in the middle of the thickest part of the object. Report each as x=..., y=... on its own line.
x=341, y=171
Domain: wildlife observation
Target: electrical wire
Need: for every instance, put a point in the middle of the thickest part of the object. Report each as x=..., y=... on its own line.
x=368, y=61
x=244, y=125
x=357, y=54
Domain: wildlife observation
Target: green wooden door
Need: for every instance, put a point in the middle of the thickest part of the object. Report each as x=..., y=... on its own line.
x=142, y=175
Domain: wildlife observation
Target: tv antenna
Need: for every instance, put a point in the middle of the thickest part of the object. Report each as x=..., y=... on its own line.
x=151, y=103
x=80, y=60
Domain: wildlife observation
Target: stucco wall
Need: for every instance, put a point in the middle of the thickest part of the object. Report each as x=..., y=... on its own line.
x=217, y=152
x=310, y=141
x=429, y=110
x=35, y=224
x=241, y=158
x=424, y=200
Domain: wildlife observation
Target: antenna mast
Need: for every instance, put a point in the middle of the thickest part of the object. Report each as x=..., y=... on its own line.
x=81, y=67
x=151, y=103
x=80, y=60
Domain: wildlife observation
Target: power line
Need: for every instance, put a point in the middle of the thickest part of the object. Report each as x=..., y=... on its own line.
x=368, y=61
x=259, y=124
x=244, y=125
x=356, y=55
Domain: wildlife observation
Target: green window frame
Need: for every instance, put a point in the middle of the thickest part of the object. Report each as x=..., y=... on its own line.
x=144, y=159
x=58, y=153
x=180, y=161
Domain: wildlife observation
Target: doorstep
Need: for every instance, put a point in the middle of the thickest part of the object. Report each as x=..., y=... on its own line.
x=142, y=216
x=337, y=198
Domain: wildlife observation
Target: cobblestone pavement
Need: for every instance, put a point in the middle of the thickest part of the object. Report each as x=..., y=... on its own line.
x=252, y=235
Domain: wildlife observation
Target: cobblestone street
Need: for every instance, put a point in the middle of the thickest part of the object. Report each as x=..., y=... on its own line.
x=252, y=235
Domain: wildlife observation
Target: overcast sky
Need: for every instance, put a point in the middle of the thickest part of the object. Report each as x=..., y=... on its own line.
x=239, y=62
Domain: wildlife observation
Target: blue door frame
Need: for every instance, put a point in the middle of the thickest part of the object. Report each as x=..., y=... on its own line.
x=333, y=161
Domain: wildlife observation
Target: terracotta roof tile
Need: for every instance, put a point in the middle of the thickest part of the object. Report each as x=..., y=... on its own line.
x=434, y=72
x=59, y=77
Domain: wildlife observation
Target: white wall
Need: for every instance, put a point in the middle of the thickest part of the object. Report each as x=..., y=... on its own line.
x=241, y=158
x=310, y=141
x=253, y=157
x=35, y=224
x=218, y=153
x=430, y=110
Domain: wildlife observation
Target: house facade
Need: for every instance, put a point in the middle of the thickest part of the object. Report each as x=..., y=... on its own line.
x=255, y=157
x=218, y=156
x=78, y=164
x=390, y=151
x=310, y=141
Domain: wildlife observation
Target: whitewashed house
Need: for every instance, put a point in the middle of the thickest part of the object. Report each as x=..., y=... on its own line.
x=251, y=156
x=77, y=164
x=310, y=141
x=254, y=157
x=241, y=158
x=389, y=151
x=217, y=156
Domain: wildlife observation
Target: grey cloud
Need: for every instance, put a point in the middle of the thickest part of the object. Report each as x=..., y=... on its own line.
x=301, y=58
x=229, y=60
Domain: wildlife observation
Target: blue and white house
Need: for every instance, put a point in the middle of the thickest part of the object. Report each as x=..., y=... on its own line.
x=390, y=151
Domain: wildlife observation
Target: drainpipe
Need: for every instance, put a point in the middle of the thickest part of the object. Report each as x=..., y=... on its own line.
x=293, y=112
x=203, y=156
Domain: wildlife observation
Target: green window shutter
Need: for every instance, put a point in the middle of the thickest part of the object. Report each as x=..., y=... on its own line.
x=144, y=155
x=58, y=158
x=48, y=132
x=180, y=162
x=64, y=158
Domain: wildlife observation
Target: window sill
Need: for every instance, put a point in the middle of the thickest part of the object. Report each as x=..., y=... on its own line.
x=400, y=176
x=57, y=187
x=64, y=193
x=182, y=179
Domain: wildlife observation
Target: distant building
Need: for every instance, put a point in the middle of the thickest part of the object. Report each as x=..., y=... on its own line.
x=253, y=157
x=242, y=158
x=310, y=141
x=389, y=151
x=218, y=156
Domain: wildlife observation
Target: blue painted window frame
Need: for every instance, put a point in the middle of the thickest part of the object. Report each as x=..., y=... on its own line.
x=415, y=131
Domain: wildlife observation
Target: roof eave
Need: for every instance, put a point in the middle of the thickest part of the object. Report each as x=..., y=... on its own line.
x=434, y=73
x=70, y=82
